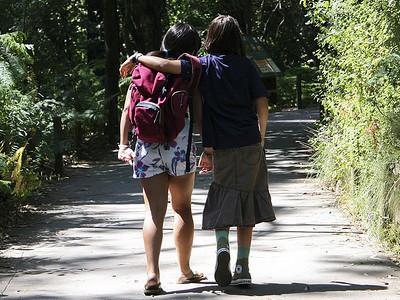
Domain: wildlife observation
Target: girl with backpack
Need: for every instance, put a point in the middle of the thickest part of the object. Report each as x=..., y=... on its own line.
x=160, y=168
x=233, y=140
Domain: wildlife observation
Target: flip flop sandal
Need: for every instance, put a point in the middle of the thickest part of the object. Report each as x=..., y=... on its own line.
x=152, y=290
x=194, y=279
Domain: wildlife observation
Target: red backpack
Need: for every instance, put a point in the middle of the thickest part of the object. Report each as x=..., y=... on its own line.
x=159, y=102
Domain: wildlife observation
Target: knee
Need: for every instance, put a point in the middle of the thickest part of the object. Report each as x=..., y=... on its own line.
x=182, y=209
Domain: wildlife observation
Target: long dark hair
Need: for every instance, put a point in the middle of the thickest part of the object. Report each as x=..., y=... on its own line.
x=180, y=38
x=225, y=37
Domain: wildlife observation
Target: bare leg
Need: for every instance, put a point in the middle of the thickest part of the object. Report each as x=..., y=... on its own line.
x=244, y=237
x=155, y=191
x=181, y=188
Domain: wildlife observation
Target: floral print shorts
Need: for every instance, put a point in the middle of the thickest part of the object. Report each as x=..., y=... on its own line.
x=151, y=159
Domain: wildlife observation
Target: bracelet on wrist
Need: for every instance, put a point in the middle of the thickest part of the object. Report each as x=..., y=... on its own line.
x=134, y=58
x=123, y=146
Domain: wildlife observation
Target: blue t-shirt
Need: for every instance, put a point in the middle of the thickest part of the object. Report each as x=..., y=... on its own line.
x=229, y=85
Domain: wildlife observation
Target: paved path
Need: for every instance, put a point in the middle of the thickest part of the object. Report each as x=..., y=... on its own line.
x=85, y=240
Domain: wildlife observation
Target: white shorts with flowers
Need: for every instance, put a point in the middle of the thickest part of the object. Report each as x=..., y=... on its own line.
x=151, y=159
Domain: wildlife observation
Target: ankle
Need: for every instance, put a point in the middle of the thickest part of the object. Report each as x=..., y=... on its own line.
x=152, y=279
x=241, y=264
x=222, y=237
x=222, y=243
x=187, y=273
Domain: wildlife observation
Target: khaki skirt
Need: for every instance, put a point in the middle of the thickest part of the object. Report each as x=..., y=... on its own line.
x=239, y=194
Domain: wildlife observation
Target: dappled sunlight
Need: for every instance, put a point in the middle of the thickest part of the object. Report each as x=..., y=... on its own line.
x=86, y=238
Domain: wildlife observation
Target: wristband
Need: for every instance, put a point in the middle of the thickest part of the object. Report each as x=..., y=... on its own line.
x=123, y=146
x=134, y=58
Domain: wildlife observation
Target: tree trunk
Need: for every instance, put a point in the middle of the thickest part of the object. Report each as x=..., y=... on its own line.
x=111, y=35
x=241, y=10
x=94, y=36
x=142, y=26
x=58, y=161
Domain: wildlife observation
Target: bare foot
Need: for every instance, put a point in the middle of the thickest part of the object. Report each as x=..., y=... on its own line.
x=152, y=286
x=152, y=280
x=192, y=277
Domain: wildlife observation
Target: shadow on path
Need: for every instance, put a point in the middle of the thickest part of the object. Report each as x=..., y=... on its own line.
x=280, y=289
x=88, y=230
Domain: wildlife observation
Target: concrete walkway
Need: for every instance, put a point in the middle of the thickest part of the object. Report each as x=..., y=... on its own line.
x=85, y=240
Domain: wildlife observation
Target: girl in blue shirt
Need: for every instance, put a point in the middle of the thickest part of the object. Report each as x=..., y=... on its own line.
x=232, y=108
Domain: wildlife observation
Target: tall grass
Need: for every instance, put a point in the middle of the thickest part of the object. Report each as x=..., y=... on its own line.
x=357, y=148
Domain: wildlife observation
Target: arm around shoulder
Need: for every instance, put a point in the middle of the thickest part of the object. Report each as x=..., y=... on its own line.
x=161, y=64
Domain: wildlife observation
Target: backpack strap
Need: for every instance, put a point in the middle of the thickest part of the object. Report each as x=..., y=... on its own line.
x=194, y=81
x=196, y=70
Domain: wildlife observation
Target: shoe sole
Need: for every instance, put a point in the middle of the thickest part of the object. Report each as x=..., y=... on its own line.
x=241, y=282
x=153, y=290
x=223, y=274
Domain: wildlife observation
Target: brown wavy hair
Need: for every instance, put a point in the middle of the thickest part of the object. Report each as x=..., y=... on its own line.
x=224, y=37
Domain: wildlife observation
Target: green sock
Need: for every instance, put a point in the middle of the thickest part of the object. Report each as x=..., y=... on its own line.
x=243, y=252
x=242, y=261
x=222, y=238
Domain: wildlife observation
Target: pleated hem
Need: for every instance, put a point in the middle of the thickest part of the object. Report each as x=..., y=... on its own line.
x=226, y=207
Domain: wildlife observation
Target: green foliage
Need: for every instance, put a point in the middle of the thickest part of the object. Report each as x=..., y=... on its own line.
x=17, y=182
x=286, y=87
x=19, y=118
x=281, y=25
x=12, y=55
x=15, y=104
x=23, y=115
x=358, y=149
x=196, y=13
x=284, y=27
x=23, y=179
x=52, y=64
x=64, y=83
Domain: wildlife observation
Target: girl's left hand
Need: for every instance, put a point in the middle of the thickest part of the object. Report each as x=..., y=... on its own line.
x=126, y=155
x=206, y=163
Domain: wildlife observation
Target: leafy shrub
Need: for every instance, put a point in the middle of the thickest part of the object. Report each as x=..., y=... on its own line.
x=358, y=146
x=17, y=182
x=19, y=122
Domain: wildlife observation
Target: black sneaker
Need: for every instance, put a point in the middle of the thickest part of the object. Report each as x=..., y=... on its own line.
x=223, y=275
x=242, y=276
